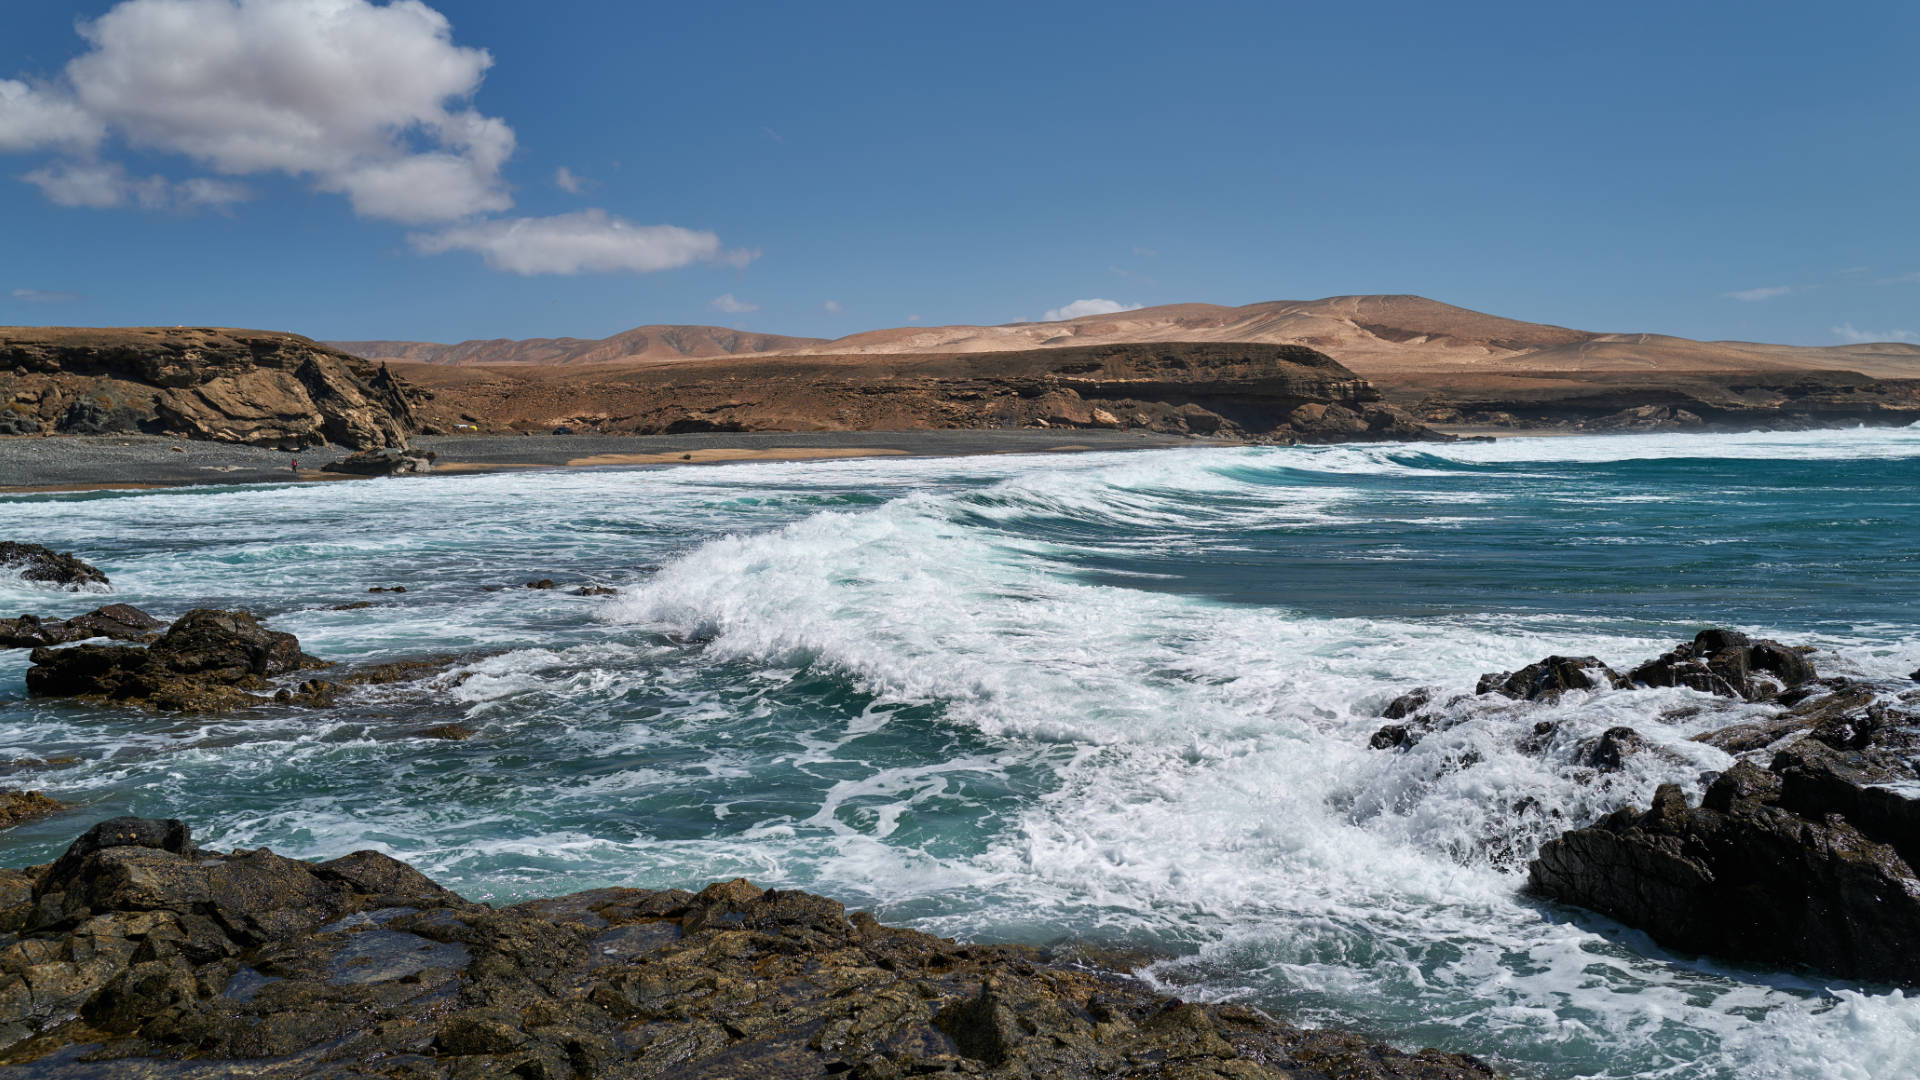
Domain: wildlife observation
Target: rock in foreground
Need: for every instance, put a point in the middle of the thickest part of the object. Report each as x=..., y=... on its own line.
x=1809, y=861
x=135, y=948
x=34, y=562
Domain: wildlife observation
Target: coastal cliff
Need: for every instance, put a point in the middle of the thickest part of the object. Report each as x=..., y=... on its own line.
x=239, y=386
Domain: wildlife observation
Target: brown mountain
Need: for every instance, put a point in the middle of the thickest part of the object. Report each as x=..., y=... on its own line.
x=640, y=343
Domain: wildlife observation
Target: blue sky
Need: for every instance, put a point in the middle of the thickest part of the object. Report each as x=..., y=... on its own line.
x=352, y=169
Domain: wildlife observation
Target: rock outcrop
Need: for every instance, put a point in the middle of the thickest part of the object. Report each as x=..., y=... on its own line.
x=36, y=563
x=208, y=660
x=121, y=622
x=1809, y=861
x=242, y=386
x=136, y=946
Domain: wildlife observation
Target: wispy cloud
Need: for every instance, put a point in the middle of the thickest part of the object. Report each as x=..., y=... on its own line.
x=774, y=135
x=1902, y=279
x=832, y=307
x=569, y=181
x=101, y=185
x=1853, y=335
x=1146, y=253
x=915, y=317
x=45, y=296
x=731, y=304
x=1080, y=309
x=1767, y=292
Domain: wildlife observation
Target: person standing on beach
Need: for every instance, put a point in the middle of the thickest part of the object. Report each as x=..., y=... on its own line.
x=293, y=466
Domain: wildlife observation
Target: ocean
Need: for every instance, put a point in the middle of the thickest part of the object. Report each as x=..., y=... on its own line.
x=1121, y=699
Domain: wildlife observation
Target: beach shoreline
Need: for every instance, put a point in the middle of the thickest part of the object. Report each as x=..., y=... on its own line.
x=56, y=464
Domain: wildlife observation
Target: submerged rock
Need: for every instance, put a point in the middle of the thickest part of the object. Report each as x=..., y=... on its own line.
x=121, y=622
x=19, y=806
x=35, y=562
x=153, y=950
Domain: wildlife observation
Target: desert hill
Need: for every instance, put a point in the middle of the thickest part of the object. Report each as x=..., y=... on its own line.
x=1381, y=337
x=639, y=344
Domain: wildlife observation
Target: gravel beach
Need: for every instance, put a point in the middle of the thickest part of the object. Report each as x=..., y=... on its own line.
x=99, y=462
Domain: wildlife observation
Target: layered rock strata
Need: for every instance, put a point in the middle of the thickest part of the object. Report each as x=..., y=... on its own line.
x=136, y=949
x=241, y=386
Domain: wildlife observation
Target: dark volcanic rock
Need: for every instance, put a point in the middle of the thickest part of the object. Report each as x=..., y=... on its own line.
x=121, y=622
x=1547, y=679
x=1809, y=861
x=361, y=966
x=1728, y=663
x=208, y=660
x=36, y=563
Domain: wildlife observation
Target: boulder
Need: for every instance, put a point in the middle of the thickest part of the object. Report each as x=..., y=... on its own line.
x=383, y=461
x=33, y=562
x=362, y=966
x=1546, y=680
x=121, y=622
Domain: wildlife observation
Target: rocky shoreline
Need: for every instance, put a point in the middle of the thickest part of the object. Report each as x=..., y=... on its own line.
x=141, y=954
x=1803, y=853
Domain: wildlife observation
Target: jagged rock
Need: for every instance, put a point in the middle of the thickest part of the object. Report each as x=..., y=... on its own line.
x=448, y=732
x=19, y=806
x=1808, y=861
x=1546, y=680
x=596, y=590
x=121, y=622
x=206, y=661
x=33, y=562
x=1729, y=664
x=361, y=966
x=383, y=461
x=245, y=386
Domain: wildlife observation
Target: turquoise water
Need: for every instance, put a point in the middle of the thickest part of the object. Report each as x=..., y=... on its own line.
x=1117, y=697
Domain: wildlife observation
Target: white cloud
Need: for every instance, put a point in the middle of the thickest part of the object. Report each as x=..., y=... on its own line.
x=1849, y=333
x=832, y=307
x=367, y=101
x=569, y=181
x=1082, y=308
x=586, y=241
x=1765, y=293
x=1902, y=279
x=731, y=304
x=45, y=296
x=102, y=185
x=31, y=119
x=913, y=318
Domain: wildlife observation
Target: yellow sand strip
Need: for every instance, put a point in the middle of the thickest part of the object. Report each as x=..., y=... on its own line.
x=734, y=453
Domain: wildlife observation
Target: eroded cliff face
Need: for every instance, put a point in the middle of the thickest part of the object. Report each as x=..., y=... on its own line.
x=1280, y=393
x=242, y=386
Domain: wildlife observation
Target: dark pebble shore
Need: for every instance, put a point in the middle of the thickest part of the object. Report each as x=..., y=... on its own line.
x=85, y=462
